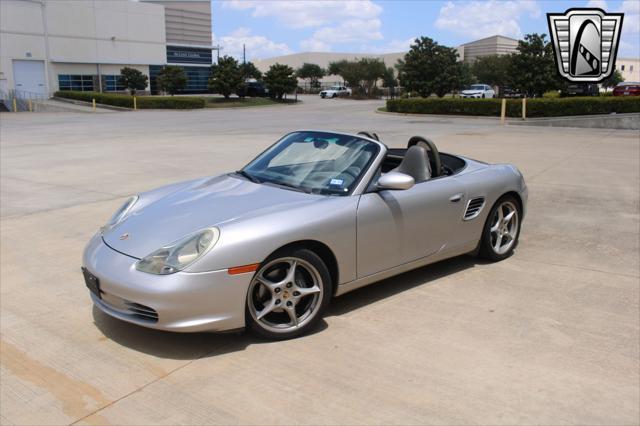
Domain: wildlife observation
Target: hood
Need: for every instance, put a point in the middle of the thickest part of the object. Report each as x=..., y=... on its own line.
x=471, y=92
x=197, y=205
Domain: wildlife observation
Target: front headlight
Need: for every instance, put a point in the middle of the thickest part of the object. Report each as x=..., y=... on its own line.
x=180, y=254
x=120, y=213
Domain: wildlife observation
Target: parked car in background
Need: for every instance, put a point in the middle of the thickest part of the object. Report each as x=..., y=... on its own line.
x=335, y=91
x=478, y=91
x=508, y=92
x=253, y=89
x=627, y=89
x=581, y=89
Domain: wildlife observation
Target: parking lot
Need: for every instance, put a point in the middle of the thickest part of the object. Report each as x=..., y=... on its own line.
x=549, y=336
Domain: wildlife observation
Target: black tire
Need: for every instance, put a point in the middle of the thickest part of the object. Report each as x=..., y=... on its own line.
x=487, y=241
x=334, y=95
x=322, y=302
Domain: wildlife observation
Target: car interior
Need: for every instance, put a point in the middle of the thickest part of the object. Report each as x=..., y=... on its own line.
x=420, y=160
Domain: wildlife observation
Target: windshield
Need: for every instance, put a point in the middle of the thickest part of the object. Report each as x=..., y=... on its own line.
x=476, y=87
x=336, y=88
x=314, y=162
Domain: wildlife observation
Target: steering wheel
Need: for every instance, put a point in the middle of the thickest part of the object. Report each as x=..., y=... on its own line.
x=432, y=152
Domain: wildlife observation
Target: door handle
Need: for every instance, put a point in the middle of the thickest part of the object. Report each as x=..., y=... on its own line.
x=455, y=198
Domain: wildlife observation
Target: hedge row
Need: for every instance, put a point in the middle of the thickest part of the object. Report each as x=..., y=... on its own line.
x=143, y=102
x=538, y=107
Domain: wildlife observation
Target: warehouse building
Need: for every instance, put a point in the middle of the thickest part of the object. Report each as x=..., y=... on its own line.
x=494, y=45
x=50, y=45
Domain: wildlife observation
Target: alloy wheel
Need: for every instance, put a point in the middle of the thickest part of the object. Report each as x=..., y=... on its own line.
x=504, y=227
x=285, y=294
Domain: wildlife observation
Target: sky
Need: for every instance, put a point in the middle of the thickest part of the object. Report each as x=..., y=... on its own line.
x=273, y=28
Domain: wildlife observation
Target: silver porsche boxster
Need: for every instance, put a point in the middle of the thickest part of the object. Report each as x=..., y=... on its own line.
x=314, y=216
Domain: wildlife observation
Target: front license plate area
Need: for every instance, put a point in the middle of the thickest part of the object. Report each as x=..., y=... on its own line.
x=92, y=282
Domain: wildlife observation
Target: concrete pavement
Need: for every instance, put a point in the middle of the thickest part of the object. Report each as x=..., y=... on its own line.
x=549, y=336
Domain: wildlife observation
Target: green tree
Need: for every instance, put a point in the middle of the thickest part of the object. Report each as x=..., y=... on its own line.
x=249, y=70
x=460, y=77
x=533, y=69
x=311, y=72
x=613, y=80
x=171, y=79
x=280, y=79
x=492, y=70
x=350, y=71
x=226, y=77
x=133, y=80
x=390, y=81
x=361, y=75
x=372, y=69
x=429, y=68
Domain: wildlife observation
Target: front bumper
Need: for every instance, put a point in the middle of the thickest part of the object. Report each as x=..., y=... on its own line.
x=185, y=302
x=475, y=95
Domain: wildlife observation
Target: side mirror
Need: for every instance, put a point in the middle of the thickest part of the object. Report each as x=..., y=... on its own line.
x=396, y=180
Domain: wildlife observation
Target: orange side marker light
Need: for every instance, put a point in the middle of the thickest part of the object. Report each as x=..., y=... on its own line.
x=236, y=270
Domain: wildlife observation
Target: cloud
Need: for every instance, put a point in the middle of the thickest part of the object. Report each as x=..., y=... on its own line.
x=601, y=4
x=335, y=22
x=350, y=31
x=478, y=19
x=629, y=45
x=312, y=45
x=257, y=46
x=307, y=14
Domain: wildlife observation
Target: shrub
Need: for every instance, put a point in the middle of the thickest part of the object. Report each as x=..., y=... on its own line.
x=538, y=107
x=143, y=102
x=133, y=79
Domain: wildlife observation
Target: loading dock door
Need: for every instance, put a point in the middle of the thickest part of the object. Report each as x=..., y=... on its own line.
x=29, y=76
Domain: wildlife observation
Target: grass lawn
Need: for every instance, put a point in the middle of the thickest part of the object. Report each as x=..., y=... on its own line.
x=241, y=103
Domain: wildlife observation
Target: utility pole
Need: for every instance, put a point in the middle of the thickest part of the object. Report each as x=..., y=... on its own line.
x=244, y=54
x=218, y=48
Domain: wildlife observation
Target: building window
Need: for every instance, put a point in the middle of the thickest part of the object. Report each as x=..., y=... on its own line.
x=84, y=83
x=197, y=78
x=112, y=83
x=630, y=68
x=621, y=67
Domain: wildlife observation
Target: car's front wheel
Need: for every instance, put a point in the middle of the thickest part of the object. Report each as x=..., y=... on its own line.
x=288, y=294
x=502, y=230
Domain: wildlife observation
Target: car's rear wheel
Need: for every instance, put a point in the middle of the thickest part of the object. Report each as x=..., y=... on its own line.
x=288, y=295
x=502, y=230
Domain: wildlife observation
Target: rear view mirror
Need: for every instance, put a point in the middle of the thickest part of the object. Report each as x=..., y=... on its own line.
x=395, y=181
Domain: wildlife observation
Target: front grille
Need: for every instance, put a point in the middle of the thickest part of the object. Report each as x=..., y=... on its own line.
x=141, y=311
x=473, y=208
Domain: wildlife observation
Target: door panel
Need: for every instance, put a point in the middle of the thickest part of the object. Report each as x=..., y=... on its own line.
x=396, y=227
x=29, y=76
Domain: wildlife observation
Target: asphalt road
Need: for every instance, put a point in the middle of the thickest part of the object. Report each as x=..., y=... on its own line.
x=549, y=336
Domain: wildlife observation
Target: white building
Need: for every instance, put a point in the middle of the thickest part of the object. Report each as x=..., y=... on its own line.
x=50, y=45
x=629, y=68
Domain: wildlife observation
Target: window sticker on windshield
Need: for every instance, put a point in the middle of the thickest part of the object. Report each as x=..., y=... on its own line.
x=336, y=182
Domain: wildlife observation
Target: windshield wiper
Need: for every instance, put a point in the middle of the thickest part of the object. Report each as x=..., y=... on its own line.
x=248, y=176
x=289, y=185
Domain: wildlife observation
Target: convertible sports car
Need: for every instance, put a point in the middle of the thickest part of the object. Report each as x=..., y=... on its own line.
x=314, y=216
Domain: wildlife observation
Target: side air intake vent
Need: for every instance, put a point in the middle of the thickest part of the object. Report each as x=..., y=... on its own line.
x=473, y=208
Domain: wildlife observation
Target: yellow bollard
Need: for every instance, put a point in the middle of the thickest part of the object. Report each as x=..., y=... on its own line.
x=30, y=106
x=503, y=110
x=524, y=108
x=15, y=105
x=135, y=103
x=93, y=102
